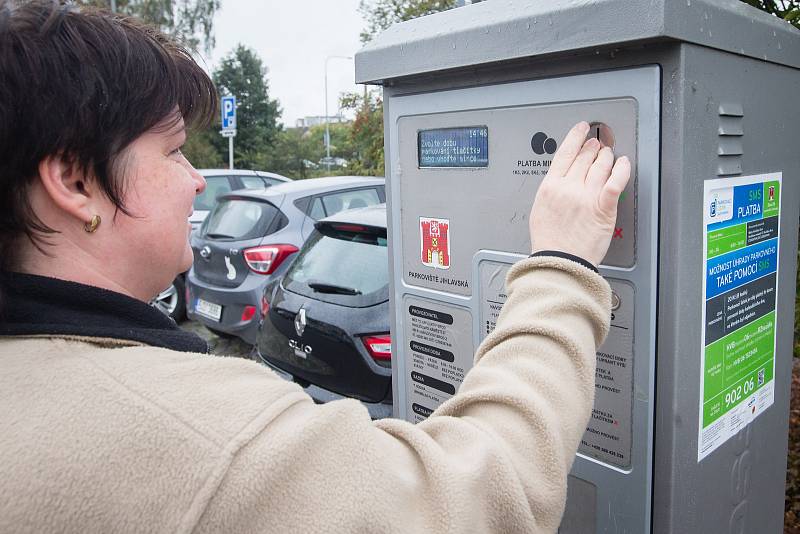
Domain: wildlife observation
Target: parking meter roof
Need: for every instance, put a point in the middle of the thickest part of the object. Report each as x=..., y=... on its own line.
x=498, y=30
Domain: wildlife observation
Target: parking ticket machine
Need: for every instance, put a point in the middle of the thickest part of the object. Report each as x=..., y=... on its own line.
x=689, y=429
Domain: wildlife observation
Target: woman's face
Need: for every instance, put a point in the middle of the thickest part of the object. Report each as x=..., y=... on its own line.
x=152, y=243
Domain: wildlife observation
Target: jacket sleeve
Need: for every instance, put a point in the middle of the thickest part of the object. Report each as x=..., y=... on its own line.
x=493, y=458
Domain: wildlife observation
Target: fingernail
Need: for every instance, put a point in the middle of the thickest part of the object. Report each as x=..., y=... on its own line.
x=584, y=125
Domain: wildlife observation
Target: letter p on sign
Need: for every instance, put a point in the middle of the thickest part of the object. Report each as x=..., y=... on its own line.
x=228, y=112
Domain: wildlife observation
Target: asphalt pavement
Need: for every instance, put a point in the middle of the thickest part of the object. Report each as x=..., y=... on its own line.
x=221, y=346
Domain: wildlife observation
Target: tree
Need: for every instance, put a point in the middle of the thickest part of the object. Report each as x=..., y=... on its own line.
x=788, y=10
x=201, y=152
x=366, y=133
x=189, y=21
x=341, y=145
x=380, y=14
x=294, y=154
x=243, y=75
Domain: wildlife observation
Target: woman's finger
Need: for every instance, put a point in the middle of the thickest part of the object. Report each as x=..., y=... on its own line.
x=609, y=196
x=569, y=149
x=600, y=170
x=584, y=160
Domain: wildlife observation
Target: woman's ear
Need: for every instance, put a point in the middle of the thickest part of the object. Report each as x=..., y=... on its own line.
x=67, y=186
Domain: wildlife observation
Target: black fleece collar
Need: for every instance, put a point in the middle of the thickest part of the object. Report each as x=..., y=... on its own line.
x=37, y=305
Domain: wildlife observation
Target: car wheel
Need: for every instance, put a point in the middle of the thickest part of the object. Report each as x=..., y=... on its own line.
x=172, y=301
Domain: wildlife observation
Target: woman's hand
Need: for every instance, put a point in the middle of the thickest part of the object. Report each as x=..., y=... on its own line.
x=576, y=206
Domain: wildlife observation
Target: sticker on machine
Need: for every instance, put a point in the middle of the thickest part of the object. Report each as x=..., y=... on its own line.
x=741, y=236
x=438, y=351
x=435, y=240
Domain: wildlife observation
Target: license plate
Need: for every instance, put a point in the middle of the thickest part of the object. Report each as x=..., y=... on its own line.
x=208, y=309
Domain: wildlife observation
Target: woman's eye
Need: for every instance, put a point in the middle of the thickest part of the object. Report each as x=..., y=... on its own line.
x=176, y=152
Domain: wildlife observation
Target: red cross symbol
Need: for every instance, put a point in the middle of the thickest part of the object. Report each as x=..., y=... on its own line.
x=617, y=233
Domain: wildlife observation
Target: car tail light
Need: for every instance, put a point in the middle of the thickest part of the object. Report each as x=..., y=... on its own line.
x=248, y=313
x=349, y=227
x=379, y=347
x=265, y=259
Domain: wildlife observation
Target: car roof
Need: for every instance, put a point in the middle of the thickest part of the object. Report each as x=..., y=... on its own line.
x=374, y=216
x=309, y=186
x=241, y=172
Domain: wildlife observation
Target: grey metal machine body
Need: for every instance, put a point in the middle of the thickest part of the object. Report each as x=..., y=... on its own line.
x=474, y=100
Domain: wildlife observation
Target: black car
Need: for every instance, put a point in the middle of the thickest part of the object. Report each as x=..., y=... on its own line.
x=327, y=324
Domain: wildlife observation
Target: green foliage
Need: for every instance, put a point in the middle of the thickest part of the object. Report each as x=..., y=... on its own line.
x=380, y=14
x=297, y=153
x=788, y=10
x=189, y=21
x=366, y=133
x=341, y=145
x=796, y=350
x=293, y=154
x=201, y=152
x=243, y=75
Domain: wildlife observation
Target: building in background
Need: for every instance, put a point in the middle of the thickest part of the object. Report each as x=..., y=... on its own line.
x=316, y=120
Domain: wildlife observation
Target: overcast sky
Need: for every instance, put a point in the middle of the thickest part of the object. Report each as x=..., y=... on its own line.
x=293, y=38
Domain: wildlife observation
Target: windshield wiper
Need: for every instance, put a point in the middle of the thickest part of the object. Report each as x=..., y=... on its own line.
x=322, y=287
x=219, y=236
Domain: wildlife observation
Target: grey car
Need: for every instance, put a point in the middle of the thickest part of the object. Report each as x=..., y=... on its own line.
x=172, y=301
x=250, y=238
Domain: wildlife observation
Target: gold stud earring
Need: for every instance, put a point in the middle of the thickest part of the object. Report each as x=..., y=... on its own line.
x=92, y=225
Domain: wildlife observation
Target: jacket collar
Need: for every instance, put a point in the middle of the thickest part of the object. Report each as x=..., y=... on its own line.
x=33, y=305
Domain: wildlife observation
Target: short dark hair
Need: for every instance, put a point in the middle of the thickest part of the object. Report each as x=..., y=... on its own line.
x=84, y=83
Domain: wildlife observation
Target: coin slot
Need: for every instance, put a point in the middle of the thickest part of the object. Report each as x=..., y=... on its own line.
x=615, y=301
x=603, y=133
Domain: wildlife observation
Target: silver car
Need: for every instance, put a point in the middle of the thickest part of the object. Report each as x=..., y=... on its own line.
x=250, y=238
x=221, y=181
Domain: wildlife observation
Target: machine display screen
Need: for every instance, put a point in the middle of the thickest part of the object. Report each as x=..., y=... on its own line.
x=454, y=147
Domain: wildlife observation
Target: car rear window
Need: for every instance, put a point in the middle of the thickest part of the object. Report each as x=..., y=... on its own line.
x=253, y=182
x=215, y=186
x=347, y=267
x=242, y=219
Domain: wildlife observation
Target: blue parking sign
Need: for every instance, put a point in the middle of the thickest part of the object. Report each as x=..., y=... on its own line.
x=228, y=112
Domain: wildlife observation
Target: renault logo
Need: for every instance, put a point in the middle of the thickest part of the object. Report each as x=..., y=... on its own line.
x=300, y=322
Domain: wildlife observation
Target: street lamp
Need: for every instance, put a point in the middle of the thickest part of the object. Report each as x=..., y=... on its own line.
x=327, y=120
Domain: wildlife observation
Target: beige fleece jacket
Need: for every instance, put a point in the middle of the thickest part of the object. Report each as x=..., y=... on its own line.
x=101, y=436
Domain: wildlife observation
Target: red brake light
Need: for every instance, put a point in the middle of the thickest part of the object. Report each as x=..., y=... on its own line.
x=265, y=259
x=348, y=227
x=379, y=347
x=248, y=313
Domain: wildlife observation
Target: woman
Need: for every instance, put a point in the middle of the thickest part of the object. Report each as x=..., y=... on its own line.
x=113, y=419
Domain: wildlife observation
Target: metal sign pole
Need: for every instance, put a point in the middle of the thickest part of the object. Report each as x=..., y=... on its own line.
x=230, y=152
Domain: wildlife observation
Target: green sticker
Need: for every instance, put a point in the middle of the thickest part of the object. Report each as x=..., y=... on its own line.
x=741, y=227
x=726, y=240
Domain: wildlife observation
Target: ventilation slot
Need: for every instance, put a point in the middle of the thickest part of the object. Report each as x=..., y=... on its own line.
x=731, y=133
